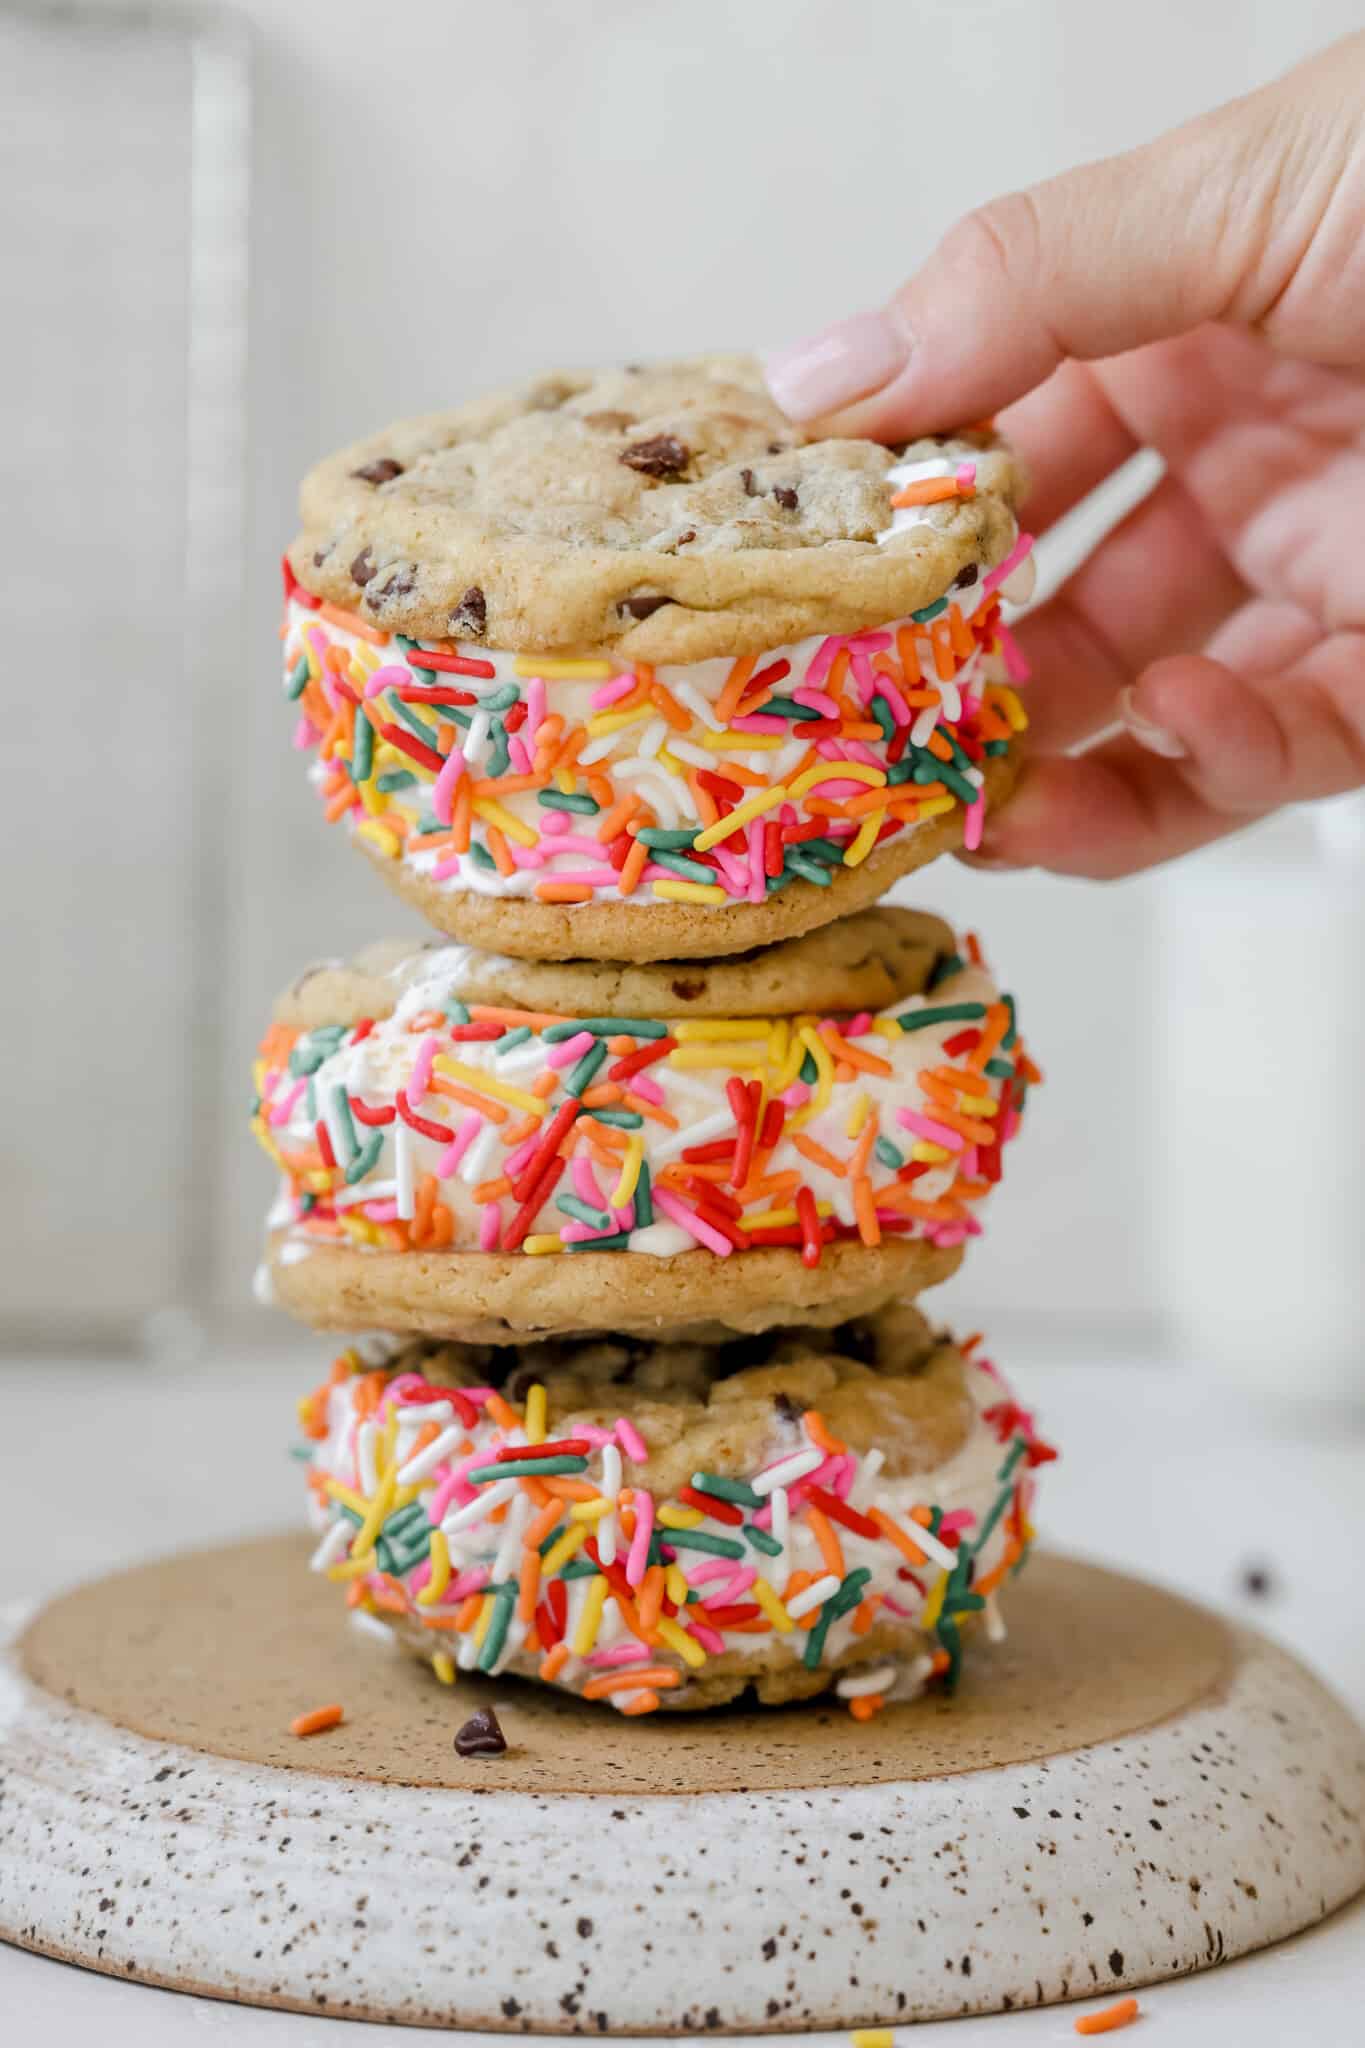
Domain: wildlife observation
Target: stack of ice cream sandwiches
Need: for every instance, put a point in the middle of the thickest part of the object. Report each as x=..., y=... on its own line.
x=623, y=1189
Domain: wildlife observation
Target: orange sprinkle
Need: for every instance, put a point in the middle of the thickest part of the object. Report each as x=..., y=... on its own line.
x=497, y=846
x=866, y=1707
x=672, y=710
x=911, y=1552
x=318, y=1720
x=613, y=821
x=854, y=1055
x=461, y=817
x=651, y=1596
x=560, y=892
x=554, y=1662
x=1110, y=2019
x=819, y=1432
x=496, y=1112
x=641, y=1703
x=502, y=1413
x=817, y=1154
x=509, y=785
x=493, y=1190
x=831, y=1550
x=349, y=623
x=866, y=1614
x=930, y=490
x=629, y=1681
x=992, y=1031
x=865, y=1209
x=633, y=866
x=735, y=685
x=528, y=1583
x=945, y=660
x=543, y=1524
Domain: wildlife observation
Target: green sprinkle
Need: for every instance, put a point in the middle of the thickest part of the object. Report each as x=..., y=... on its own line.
x=499, y=758
x=787, y=707
x=480, y=855
x=900, y=771
x=737, y=1490
x=848, y=1595
x=400, y=778
x=761, y=1540
x=951, y=1640
x=455, y=1011
x=809, y=870
x=881, y=711
x=809, y=1072
x=661, y=840
x=1017, y=1450
x=429, y=822
x=501, y=699
x=419, y=725
x=303, y=1452
x=408, y=647
x=690, y=870
x=1011, y=1037
x=995, y=748
x=951, y=963
x=310, y=1102
x=617, y=1242
x=999, y=1070
x=624, y=1119
x=528, y=1468
x=362, y=749
x=698, y=1539
x=341, y=1110
x=965, y=791
x=505, y=1600
x=518, y=1036
x=941, y=1013
x=298, y=679
x=581, y=1073
x=365, y=1159
x=889, y=1156
x=583, y=1212
x=823, y=849
x=931, y=611
x=556, y=800
x=604, y=1027
x=644, y=1203
x=577, y=1567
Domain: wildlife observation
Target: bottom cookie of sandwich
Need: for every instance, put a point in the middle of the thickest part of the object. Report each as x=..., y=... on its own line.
x=671, y=1525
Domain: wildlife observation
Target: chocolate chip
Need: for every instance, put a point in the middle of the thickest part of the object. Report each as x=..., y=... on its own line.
x=381, y=472
x=642, y=607
x=786, y=1407
x=688, y=991
x=320, y=556
x=481, y=1735
x=662, y=456
x=746, y=477
x=362, y=568
x=786, y=497
x=965, y=578
x=469, y=620
x=401, y=582
x=684, y=538
x=777, y=447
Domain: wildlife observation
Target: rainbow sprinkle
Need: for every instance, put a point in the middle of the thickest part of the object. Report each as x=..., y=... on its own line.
x=575, y=780
x=475, y=1127
x=495, y=1539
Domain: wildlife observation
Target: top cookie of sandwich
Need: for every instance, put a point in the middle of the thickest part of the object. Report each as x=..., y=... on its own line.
x=664, y=513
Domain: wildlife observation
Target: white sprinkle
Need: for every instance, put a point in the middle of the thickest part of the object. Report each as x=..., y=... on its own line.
x=475, y=738
x=652, y=738
x=862, y=1683
x=923, y=726
x=937, y=1552
x=781, y=1529
x=611, y=1472
x=404, y=1173
x=598, y=749
x=693, y=1134
x=468, y=1653
x=332, y=1117
x=370, y=1625
x=366, y=1438
x=950, y=700
x=430, y=1457
x=477, y=1160
x=814, y=1596
x=474, y=1510
x=509, y=1549
x=788, y=1471
x=333, y=1545
x=699, y=757
x=1018, y=586
x=993, y=1621
x=686, y=693
x=867, y=1471
x=427, y=1411
x=606, y=1539
x=364, y=1191
x=661, y=1240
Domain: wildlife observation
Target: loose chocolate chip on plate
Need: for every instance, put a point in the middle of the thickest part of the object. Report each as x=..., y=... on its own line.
x=663, y=455
x=786, y=497
x=382, y=471
x=469, y=620
x=642, y=607
x=481, y=1735
x=363, y=567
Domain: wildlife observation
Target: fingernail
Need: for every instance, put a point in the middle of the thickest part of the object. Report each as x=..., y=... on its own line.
x=831, y=369
x=1157, y=739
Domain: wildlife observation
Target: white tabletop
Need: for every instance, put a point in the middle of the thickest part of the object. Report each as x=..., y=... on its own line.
x=1245, y=1506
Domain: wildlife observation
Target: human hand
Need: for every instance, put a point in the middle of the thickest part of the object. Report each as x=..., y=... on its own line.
x=1203, y=296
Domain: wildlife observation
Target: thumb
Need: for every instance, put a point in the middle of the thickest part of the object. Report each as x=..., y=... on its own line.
x=1208, y=223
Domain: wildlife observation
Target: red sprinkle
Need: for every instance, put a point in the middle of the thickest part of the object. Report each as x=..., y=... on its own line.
x=544, y=1153
x=535, y=1201
x=810, y=1226
x=711, y=1504
x=415, y=749
x=323, y=1136
x=636, y=1062
x=567, y=1447
x=454, y=664
x=839, y=1511
x=440, y=1133
x=366, y=1115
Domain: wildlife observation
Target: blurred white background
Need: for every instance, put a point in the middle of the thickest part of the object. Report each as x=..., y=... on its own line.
x=235, y=240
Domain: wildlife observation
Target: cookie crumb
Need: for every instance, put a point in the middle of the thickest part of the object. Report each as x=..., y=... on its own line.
x=481, y=1735
x=317, y=1721
x=381, y=472
x=663, y=455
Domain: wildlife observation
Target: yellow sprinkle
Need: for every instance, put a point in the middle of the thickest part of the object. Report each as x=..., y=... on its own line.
x=721, y=1027
x=886, y=1027
x=752, y=807
x=348, y=1497
x=826, y=771
x=629, y=1176
x=440, y=1571
x=1007, y=700
x=497, y=814
x=378, y=1511
x=559, y=1554
x=680, y=1518
x=381, y=836
x=872, y=2037
x=864, y=840
x=354, y=1567
x=566, y=669
x=772, y=1219
x=360, y=1230
x=731, y=742
x=718, y=1056
x=857, y=1116
x=933, y=1606
x=689, y=892
x=772, y=1606
x=590, y=1510
x=926, y=1154
x=372, y=798
x=687, y=1647
x=565, y=781
x=488, y=1084
x=671, y=762
x=443, y=1664
x=675, y=1584
x=537, y=1408
x=541, y=1244
x=779, y=1038
x=978, y=1105
x=819, y=1052
x=937, y=807
x=585, y=1635
x=485, y=1617
x=613, y=721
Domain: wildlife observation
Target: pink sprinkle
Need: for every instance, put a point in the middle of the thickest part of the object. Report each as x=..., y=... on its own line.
x=755, y=721
x=632, y=1443
x=555, y=822
x=733, y=873
x=709, y=1638
x=968, y=1162
x=638, y=1560
x=957, y=1518
x=419, y=1577
x=517, y=754
x=611, y=692
x=688, y=1220
x=973, y=820
x=819, y=666
x=449, y=1161
x=528, y=856
x=1009, y=1125
x=444, y=869
x=708, y=1570
x=884, y=687
x=535, y=708
x=870, y=643
x=516, y=1161
x=472, y=1581
x=569, y=1049
x=490, y=1226
x=621, y=1653
x=574, y=842
x=420, y=1079
x=860, y=665
x=758, y=881
x=318, y=641
x=946, y=1235
x=838, y=786
x=443, y=791
x=650, y=1091
x=926, y=1127
x=306, y=734
x=380, y=1212
x=278, y=1112
x=895, y=1605
x=995, y=577
x=795, y=1097
x=966, y=476
x=590, y=1432
x=624, y=1219
x=817, y=700
x=585, y=1180
x=1015, y=664
x=439, y=1504
x=583, y=1233
x=762, y=1517
x=859, y=1026
x=739, y=1583
x=588, y=878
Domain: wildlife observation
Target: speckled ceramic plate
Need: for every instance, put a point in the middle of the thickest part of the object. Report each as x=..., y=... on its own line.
x=1124, y=1791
